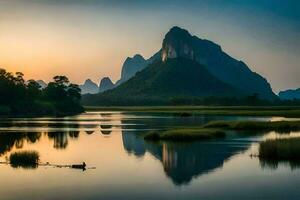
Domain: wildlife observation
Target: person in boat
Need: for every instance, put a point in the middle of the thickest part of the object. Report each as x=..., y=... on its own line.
x=82, y=166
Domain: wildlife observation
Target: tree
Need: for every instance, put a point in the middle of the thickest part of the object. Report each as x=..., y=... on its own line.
x=20, y=97
x=33, y=89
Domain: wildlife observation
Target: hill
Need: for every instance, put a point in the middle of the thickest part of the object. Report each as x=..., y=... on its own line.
x=162, y=81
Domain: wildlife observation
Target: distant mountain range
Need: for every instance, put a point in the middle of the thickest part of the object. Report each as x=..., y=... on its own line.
x=289, y=94
x=89, y=87
x=185, y=66
x=130, y=67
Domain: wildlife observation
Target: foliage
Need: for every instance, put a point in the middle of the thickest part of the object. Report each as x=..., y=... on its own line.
x=20, y=97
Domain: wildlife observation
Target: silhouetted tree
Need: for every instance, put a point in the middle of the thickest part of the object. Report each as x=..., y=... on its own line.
x=21, y=97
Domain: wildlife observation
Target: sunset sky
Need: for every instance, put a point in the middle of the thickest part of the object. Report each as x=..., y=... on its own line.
x=92, y=38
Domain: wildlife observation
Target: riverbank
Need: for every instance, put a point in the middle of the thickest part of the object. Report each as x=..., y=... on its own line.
x=275, y=111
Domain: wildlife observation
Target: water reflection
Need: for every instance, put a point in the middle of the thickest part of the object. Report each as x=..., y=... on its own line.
x=106, y=129
x=24, y=159
x=112, y=141
x=274, y=164
x=89, y=132
x=74, y=134
x=183, y=162
x=60, y=139
x=133, y=144
x=8, y=140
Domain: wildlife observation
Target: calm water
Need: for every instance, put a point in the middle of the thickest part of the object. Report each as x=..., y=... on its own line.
x=127, y=167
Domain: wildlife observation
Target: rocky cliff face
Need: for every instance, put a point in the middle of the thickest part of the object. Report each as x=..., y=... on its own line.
x=106, y=84
x=180, y=43
x=89, y=87
x=177, y=43
x=137, y=63
x=131, y=66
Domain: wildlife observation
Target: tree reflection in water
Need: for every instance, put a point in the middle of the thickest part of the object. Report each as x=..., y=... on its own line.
x=60, y=139
x=8, y=140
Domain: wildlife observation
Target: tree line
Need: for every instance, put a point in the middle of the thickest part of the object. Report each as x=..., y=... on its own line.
x=21, y=97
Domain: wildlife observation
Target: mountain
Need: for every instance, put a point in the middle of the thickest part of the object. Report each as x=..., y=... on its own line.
x=89, y=87
x=42, y=83
x=162, y=81
x=180, y=43
x=106, y=84
x=185, y=67
x=132, y=65
x=289, y=94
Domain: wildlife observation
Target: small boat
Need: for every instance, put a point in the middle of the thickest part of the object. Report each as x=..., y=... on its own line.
x=80, y=166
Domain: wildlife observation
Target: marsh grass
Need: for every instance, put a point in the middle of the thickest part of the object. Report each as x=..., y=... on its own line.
x=273, y=152
x=287, y=148
x=216, y=129
x=24, y=159
x=185, y=134
x=279, y=126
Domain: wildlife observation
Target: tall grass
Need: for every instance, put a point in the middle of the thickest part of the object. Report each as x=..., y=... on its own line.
x=273, y=152
x=24, y=159
x=287, y=148
x=185, y=134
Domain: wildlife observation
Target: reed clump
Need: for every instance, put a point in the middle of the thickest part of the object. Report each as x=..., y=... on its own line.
x=24, y=159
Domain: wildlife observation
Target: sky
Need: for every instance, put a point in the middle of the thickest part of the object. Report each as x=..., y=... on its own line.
x=91, y=38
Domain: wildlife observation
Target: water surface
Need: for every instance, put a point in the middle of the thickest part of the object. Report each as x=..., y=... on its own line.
x=127, y=167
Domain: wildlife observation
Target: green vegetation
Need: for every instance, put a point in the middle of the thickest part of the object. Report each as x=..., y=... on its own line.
x=271, y=152
x=24, y=159
x=20, y=97
x=185, y=134
x=279, y=126
x=279, y=111
x=216, y=129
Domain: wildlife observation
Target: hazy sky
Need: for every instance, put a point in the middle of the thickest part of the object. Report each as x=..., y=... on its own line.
x=92, y=38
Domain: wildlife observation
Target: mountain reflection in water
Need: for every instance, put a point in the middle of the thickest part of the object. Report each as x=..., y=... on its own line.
x=183, y=162
x=128, y=167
